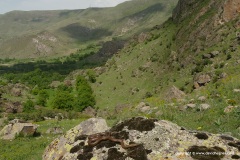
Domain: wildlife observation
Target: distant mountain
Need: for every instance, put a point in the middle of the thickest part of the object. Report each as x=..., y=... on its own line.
x=34, y=34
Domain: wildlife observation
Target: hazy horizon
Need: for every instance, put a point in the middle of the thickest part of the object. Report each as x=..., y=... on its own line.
x=29, y=5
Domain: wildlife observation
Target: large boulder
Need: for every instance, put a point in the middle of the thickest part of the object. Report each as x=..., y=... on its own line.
x=144, y=139
x=16, y=128
x=62, y=146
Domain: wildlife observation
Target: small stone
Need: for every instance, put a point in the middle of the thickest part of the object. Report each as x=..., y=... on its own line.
x=159, y=113
x=145, y=109
x=223, y=75
x=54, y=130
x=236, y=90
x=191, y=105
x=202, y=98
x=229, y=109
x=191, y=100
x=206, y=56
x=214, y=54
x=204, y=106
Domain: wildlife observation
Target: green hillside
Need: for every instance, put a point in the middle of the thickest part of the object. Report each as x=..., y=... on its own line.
x=177, y=53
x=35, y=34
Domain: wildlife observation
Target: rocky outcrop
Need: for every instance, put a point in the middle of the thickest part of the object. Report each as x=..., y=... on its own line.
x=182, y=8
x=12, y=107
x=231, y=10
x=15, y=128
x=143, y=139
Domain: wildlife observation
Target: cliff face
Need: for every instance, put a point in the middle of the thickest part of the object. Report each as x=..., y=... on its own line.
x=204, y=21
x=182, y=9
x=231, y=9
x=228, y=9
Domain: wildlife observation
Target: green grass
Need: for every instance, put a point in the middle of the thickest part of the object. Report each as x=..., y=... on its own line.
x=32, y=148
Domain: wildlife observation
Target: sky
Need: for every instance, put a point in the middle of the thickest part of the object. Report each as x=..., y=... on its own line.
x=26, y=5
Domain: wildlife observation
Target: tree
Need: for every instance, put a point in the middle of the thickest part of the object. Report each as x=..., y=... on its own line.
x=63, y=100
x=85, y=96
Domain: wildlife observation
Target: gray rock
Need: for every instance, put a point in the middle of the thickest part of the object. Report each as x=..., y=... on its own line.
x=201, y=80
x=153, y=140
x=236, y=90
x=223, y=75
x=60, y=146
x=202, y=98
x=174, y=93
x=90, y=111
x=206, y=56
x=10, y=131
x=191, y=105
x=143, y=107
x=10, y=107
x=229, y=109
x=54, y=130
x=204, y=106
x=16, y=92
x=214, y=54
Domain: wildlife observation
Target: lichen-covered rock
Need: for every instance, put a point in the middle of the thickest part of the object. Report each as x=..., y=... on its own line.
x=61, y=147
x=148, y=139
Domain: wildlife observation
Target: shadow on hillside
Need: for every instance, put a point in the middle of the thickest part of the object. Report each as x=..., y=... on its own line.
x=82, y=33
x=80, y=62
x=146, y=12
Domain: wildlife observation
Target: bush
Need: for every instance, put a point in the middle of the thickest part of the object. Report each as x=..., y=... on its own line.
x=42, y=97
x=85, y=96
x=28, y=106
x=63, y=100
x=91, y=75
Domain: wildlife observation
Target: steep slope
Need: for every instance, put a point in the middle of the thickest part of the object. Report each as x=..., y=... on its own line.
x=26, y=34
x=198, y=52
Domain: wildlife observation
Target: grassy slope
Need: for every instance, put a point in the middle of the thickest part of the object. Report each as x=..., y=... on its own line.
x=148, y=67
x=77, y=28
x=32, y=147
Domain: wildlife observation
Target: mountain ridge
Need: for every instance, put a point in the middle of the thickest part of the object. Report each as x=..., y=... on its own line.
x=77, y=28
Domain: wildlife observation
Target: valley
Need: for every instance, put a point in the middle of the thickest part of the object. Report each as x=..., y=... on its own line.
x=168, y=60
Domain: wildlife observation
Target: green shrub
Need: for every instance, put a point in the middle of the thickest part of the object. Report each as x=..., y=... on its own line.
x=91, y=75
x=28, y=106
x=63, y=100
x=42, y=97
x=85, y=96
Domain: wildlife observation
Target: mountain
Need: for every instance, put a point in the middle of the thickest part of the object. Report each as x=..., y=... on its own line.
x=35, y=34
